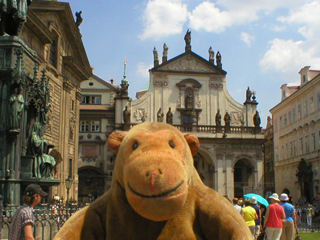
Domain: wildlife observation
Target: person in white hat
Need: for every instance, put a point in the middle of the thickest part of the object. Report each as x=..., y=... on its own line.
x=290, y=223
x=273, y=219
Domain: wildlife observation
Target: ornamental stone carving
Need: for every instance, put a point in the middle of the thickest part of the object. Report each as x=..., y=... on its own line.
x=140, y=114
x=215, y=86
x=160, y=83
x=188, y=63
x=219, y=155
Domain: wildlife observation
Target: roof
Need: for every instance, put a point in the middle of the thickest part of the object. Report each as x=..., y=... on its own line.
x=212, y=69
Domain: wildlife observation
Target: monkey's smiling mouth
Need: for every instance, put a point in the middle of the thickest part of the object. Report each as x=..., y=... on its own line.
x=158, y=195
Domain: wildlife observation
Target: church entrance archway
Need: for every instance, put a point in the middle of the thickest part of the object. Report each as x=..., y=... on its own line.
x=91, y=184
x=205, y=168
x=243, y=177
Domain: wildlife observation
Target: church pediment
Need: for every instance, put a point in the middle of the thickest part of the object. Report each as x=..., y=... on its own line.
x=189, y=62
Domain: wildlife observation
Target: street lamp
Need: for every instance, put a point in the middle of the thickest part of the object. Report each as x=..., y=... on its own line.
x=69, y=181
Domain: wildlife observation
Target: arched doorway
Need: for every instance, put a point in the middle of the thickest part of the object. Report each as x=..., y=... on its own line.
x=91, y=184
x=205, y=168
x=243, y=177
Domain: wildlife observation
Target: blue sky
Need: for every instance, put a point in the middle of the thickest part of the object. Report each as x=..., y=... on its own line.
x=263, y=44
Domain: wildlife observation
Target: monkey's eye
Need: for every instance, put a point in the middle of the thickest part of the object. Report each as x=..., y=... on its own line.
x=135, y=145
x=172, y=144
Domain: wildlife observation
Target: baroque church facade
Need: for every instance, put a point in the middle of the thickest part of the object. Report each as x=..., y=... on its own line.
x=191, y=93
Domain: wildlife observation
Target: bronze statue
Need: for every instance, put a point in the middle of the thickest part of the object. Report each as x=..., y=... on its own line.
x=187, y=38
x=248, y=95
x=126, y=115
x=169, y=116
x=227, y=119
x=16, y=106
x=43, y=162
x=256, y=119
x=218, y=118
x=165, y=50
x=12, y=14
x=79, y=19
x=160, y=116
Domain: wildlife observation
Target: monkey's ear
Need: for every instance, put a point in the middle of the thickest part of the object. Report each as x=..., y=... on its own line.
x=193, y=143
x=115, y=140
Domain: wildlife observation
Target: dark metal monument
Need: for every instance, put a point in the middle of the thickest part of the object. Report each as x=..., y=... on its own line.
x=24, y=103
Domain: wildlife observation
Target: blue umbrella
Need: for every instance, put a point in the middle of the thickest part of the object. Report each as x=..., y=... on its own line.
x=260, y=199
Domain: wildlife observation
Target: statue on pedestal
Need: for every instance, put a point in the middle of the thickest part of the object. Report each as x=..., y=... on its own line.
x=218, y=118
x=256, y=119
x=248, y=95
x=16, y=106
x=160, y=116
x=126, y=115
x=12, y=14
x=43, y=162
x=169, y=116
x=227, y=119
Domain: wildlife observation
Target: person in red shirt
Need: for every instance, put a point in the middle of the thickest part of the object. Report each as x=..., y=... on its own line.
x=273, y=219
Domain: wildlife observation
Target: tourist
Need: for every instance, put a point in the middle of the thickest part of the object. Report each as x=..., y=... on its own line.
x=249, y=215
x=290, y=223
x=273, y=219
x=23, y=220
x=253, y=202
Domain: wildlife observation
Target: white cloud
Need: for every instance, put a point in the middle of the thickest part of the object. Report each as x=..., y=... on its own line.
x=143, y=69
x=247, y=38
x=285, y=55
x=163, y=17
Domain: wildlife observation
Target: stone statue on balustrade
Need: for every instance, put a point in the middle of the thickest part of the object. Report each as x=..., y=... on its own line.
x=44, y=163
x=126, y=115
x=16, y=101
x=160, y=116
x=248, y=95
x=169, y=116
x=218, y=118
x=256, y=119
x=227, y=119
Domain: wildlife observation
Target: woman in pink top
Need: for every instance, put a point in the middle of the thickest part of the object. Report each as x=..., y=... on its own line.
x=273, y=219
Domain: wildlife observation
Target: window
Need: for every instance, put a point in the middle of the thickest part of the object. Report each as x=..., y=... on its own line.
x=91, y=100
x=313, y=143
x=95, y=126
x=84, y=126
x=307, y=149
x=305, y=106
x=53, y=53
x=294, y=115
x=290, y=118
x=291, y=150
x=318, y=101
x=276, y=125
x=285, y=120
x=301, y=146
x=299, y=111
x=282, y=152
x=281, y=123
x=311, y=105
x=90, y=126
x=294, y=148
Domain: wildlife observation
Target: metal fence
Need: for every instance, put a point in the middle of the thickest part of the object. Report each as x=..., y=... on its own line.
x=48, y=222
x=48, y=219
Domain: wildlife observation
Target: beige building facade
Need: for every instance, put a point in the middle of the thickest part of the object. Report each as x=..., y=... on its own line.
x=296, y=129
x=97, y=121
x=51, y=33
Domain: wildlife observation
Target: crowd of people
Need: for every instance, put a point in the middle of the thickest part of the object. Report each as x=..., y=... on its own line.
x=277, y=221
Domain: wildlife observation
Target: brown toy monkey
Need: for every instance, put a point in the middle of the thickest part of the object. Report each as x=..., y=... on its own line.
x=156, y=193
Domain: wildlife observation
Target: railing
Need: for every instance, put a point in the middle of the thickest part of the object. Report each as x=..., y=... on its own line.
x=47, y=223
x=213, y=129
